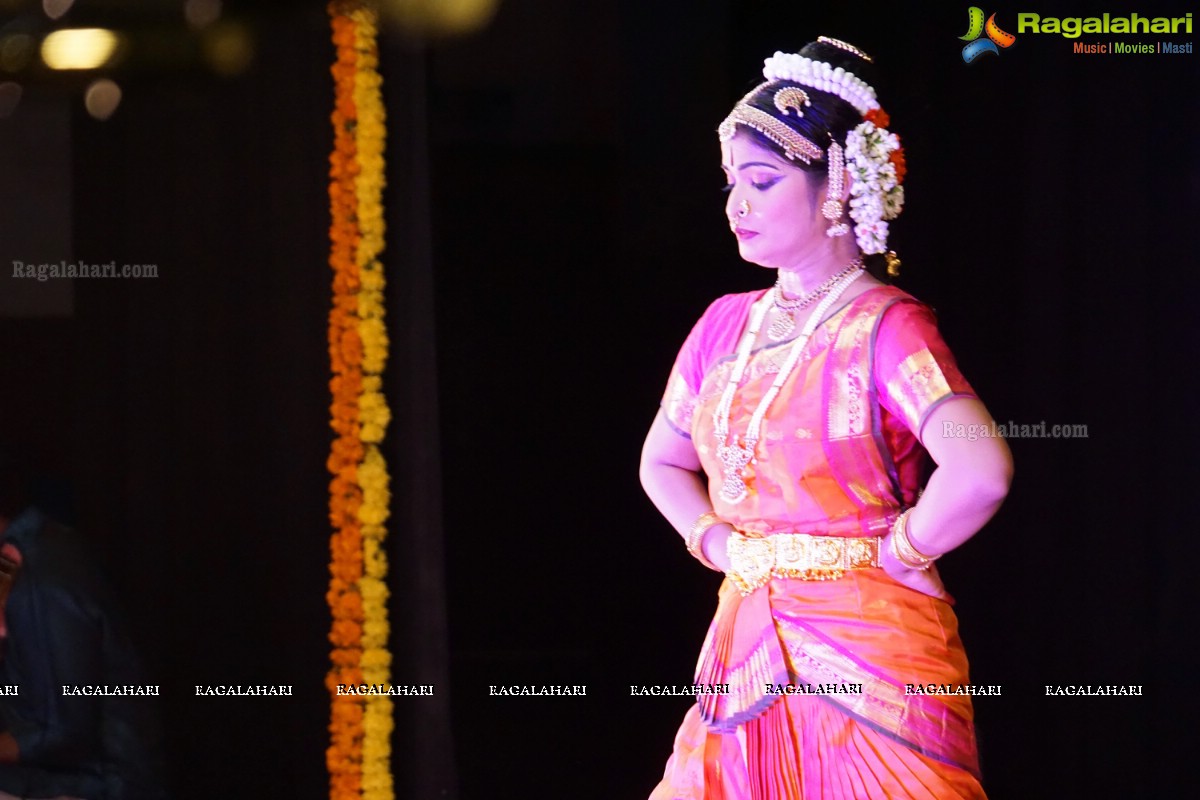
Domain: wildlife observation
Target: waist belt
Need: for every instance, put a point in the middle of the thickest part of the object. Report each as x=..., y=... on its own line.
x=754, y=561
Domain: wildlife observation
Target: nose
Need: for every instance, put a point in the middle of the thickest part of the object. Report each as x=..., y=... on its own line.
x=736, y=209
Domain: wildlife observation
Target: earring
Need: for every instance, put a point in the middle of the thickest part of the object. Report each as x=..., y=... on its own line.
x=832, y=209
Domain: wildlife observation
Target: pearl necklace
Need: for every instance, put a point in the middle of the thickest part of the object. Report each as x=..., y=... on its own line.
x=785, y=323
x=734, y=457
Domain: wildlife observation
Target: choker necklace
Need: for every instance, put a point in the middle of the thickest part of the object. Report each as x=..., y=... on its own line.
x=735, y=457
x=785, y=323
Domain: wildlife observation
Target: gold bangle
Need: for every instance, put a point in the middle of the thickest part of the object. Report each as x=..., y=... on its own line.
x=696, y=536
x=903, y=548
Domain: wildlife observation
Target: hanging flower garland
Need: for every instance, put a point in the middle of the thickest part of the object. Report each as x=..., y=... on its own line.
x=359, y=753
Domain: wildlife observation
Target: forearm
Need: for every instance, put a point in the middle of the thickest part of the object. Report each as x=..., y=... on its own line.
x=956, y=503
x=681, y=495
x=969, y=484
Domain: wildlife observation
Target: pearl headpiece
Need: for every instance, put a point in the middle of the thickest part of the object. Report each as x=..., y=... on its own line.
x=821, y=75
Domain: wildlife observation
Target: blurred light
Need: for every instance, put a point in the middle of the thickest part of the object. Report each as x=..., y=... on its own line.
x=228, y=48
x=442, y=16
x=56, y=8
x=201, y=13
x=16, y=51
x=102, y=98
x=78, y=48
x=10, y=95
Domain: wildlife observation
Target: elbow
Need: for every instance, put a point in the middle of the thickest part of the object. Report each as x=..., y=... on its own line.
x=647, y=470
x=994, y=480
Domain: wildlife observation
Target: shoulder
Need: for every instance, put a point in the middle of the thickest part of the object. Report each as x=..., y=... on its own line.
x=730, y=307
x=721, y=324
x=890, y=310
x=866, y=312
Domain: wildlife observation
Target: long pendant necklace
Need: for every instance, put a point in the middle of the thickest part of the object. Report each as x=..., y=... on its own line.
x=785, y=323
x=735, y=457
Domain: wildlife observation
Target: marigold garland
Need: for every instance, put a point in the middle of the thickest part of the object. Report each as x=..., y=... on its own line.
x=359, y=753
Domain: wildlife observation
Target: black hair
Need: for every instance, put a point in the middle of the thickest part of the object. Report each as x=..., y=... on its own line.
x=829, y=115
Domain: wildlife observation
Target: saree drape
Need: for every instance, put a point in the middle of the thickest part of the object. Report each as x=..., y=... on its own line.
x=840, y=455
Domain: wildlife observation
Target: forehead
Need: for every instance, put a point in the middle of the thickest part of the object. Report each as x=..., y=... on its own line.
x=742, y=149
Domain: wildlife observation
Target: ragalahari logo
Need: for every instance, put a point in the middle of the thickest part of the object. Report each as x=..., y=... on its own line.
x=996, y=38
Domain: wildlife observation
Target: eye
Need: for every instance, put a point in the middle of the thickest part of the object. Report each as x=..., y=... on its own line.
x=763, y=185
x=727, y=188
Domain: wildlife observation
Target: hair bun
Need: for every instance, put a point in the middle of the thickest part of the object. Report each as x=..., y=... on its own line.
x=839, y=53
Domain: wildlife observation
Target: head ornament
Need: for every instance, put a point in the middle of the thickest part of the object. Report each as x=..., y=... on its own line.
x=870, y=154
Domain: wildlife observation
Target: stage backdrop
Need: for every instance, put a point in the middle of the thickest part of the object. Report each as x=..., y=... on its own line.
x=577, y=231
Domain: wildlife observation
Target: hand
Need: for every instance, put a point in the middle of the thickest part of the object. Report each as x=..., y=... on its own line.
x=714, y=545
x=925, y=581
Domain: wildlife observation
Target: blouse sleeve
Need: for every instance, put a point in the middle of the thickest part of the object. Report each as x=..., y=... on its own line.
x=715, y=334
x=914, y=370
x=683, y=386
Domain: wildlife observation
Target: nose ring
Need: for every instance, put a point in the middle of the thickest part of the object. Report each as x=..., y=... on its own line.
x=743, y=208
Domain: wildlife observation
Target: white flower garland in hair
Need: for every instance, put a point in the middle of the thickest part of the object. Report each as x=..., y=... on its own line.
x=875, y=191
x=823, y=76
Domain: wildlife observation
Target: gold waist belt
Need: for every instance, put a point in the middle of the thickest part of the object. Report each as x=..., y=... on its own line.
x=754, y=561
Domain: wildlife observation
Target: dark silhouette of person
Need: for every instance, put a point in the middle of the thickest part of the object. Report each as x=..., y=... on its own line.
x=76, y=716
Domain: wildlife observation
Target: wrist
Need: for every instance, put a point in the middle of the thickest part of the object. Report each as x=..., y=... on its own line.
x=715, y=542
x=697, y=534
x=904, y=550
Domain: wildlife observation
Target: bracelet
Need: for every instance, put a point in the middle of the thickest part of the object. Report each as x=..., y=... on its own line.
x=902, y=547
x=696, y=535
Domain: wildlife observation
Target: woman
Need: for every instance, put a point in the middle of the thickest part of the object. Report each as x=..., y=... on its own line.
x=810, y=407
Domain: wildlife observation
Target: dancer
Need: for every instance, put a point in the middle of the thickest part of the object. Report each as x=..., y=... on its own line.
x=788, y=453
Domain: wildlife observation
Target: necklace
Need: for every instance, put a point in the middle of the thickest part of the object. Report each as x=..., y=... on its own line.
x=735, y=457
x=785, y=323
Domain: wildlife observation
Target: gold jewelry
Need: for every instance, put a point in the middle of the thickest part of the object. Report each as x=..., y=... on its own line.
x=794, y=146
x=743, y=208
x=785, y=323
x=893, y=263
x=807, y=557
x=791, y=98
x=695, y=537
x=849, y=48
x=903, y=549
x=832, y=208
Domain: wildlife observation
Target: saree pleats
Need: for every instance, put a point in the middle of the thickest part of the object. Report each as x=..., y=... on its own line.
x=858, y=642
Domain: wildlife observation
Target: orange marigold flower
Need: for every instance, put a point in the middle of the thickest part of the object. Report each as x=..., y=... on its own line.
x=897, y=158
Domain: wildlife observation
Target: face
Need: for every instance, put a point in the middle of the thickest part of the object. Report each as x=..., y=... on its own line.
x=783, y=225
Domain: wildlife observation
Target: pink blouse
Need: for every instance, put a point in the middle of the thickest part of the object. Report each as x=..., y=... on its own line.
x=840, y=450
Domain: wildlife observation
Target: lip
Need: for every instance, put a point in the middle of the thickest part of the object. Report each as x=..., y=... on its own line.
x=743, y=234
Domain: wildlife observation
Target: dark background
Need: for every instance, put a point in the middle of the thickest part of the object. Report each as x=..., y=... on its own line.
x=576, y=233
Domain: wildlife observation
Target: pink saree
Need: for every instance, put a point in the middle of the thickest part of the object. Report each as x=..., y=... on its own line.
x=840, y=456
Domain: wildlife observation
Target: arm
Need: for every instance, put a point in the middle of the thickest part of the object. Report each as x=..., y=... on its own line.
x=966, y=489
x=670, y=474
x=62, y=641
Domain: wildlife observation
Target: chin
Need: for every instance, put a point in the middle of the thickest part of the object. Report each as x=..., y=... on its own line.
x=749, y=255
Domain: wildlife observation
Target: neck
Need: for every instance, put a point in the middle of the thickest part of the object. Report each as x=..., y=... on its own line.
x=806, y=274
